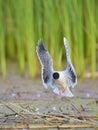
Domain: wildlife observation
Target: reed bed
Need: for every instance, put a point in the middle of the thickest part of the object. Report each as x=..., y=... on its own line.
x=24, y=22
x=18, y=116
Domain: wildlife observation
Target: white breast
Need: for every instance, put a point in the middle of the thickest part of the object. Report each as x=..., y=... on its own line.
x=62, y=79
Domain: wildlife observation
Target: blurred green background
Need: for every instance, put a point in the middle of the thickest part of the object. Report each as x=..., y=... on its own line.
x=24, y=22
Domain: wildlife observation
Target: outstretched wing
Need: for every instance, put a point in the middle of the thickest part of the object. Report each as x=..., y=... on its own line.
x=70, y=71
x=47, y=66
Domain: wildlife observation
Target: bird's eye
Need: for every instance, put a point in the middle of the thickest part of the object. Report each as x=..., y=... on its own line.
x=56, y=75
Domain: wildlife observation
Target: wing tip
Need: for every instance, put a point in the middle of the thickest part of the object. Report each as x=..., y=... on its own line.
x=41, y=46
x=65, y=40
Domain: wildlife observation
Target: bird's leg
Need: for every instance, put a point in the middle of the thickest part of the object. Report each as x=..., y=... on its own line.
x=62, y=92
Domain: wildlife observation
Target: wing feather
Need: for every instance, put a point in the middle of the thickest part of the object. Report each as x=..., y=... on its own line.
x=70, y=71
x=47, y=67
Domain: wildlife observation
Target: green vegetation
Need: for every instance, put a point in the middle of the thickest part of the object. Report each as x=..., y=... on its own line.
x=24, y=22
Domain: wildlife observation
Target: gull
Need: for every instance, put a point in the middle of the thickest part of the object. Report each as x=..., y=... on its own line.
x=50, y=78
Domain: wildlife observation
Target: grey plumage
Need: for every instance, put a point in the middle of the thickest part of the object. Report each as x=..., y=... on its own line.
x=47, y=67
x=67, y=77
x=70, y=71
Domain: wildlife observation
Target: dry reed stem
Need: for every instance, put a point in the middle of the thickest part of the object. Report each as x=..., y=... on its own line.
x=14, y=111
x=56, y=118
x=25, y=110
x=74, y=119
x=45, y=127
x=89, y=121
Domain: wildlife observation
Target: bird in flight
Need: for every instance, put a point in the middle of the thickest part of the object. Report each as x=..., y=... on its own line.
x=50, y=78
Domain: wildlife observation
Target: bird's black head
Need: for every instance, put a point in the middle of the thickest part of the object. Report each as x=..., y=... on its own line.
x=56, y=75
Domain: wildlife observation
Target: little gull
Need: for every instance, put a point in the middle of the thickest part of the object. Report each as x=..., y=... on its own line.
x=67, y=78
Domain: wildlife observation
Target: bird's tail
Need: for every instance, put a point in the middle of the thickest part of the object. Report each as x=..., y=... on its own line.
x=67, y=50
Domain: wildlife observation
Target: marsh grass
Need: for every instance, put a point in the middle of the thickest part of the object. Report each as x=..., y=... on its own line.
x=2, y=43
x=19, y=35
x=92, y=33
x=24, y=22
x=9, y=25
